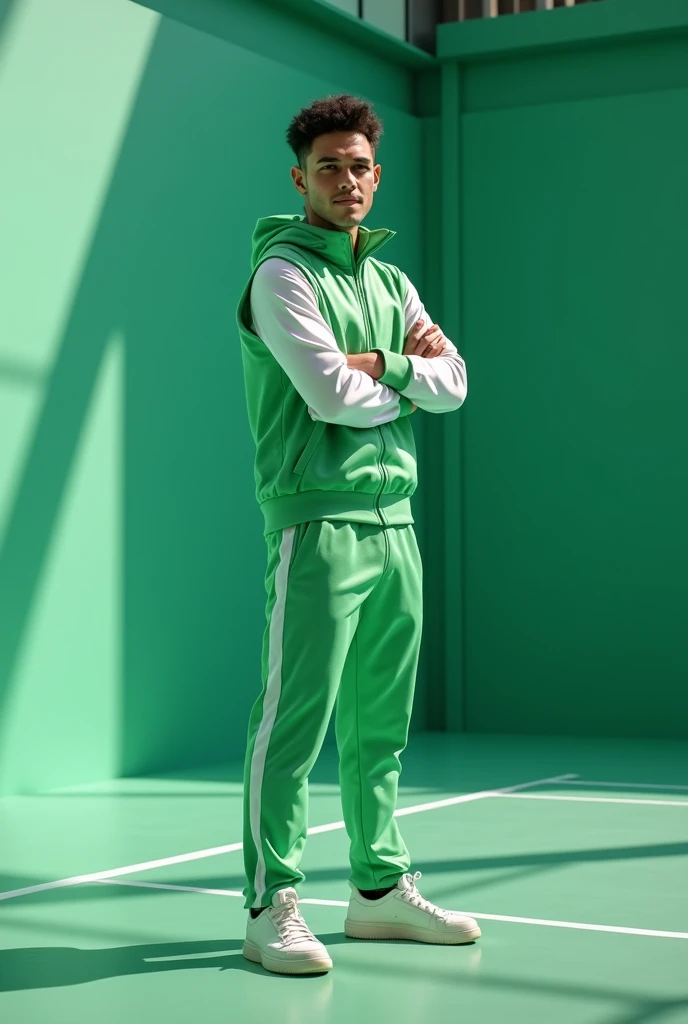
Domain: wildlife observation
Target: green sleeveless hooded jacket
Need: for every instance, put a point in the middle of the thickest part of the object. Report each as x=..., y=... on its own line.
x=306, y=469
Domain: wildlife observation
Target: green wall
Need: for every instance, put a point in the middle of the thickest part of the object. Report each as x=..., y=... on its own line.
x=546, y=155
x=132, y=559
x=573, y=156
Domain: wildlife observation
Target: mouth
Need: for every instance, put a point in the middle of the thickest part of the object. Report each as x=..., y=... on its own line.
x=347, y=202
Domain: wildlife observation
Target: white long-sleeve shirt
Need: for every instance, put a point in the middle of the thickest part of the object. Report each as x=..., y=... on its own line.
x=286, y=317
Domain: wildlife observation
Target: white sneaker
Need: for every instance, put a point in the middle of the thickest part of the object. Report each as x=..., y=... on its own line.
x=404, y=914
x=282, y=942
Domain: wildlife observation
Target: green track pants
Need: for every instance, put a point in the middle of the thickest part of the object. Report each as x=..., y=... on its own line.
x=344, y=618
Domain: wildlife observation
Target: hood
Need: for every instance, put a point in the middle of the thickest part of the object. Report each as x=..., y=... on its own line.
x=334, y=246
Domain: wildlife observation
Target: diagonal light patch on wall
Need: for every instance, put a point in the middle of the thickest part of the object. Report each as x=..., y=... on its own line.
x=60, y=146
x=77, y=67
x=6, y=9
x=68, y=668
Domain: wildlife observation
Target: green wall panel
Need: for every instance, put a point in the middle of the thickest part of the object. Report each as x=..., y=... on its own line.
x=62, y=370
x=131, y=549
x=648, y=65
x=574, y=222
x=296, y=34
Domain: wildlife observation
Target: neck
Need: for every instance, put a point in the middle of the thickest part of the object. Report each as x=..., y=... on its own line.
x=318, y=222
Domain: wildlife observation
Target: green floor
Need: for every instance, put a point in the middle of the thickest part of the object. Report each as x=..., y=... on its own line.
x=92, y=951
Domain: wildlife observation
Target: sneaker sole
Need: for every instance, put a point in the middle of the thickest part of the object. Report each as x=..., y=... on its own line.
x=358, y=930
x=312, y=965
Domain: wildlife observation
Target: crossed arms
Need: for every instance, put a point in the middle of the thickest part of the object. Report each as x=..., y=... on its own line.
x=347, y=389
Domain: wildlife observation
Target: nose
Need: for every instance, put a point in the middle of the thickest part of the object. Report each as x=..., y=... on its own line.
x=349, y=182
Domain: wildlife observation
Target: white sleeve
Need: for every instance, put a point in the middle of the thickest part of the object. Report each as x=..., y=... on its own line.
x=438, y=384
x=286, y=316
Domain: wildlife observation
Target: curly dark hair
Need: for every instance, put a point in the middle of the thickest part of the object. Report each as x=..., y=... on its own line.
x=341, y=113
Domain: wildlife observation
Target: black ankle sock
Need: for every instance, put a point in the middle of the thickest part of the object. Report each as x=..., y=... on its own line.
x=256, y=913
x=375, y=894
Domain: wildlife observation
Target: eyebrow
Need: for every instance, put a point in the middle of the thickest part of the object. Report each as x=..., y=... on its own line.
x=337, y=159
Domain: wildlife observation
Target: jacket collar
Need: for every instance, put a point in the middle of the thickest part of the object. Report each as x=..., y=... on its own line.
x=334, y=246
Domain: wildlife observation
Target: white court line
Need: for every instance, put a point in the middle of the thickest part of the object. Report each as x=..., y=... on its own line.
x=176, y=888
x=182, y=858
x=206, y=892
x=98, y=876
x=616, y=929
x=590, y=799
x=622, y=785
x=467, y=797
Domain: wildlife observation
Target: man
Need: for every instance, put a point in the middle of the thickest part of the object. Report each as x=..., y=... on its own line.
x=338, y=352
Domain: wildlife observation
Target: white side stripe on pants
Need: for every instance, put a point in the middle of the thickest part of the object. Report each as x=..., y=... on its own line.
x=270, y=704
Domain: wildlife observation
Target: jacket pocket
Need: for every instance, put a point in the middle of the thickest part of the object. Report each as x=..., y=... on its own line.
x=313, y=441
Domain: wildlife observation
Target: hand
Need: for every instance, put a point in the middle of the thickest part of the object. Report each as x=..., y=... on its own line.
x=372, y=363
x=424, y=341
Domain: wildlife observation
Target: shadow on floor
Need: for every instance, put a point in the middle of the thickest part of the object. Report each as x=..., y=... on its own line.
x=36, y=967
x=530, y=863
x=57, y=966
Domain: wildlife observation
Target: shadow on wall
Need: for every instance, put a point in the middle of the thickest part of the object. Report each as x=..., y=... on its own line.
x=167, y=261
x=149, y=655
x=5, y=12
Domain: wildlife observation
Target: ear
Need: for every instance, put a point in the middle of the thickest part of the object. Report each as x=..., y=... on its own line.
x=297, y=178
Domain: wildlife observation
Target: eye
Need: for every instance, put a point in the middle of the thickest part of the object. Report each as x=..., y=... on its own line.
x=359, y=167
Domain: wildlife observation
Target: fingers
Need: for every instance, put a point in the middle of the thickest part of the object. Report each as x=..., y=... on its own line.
x=413, y=337
x=429, y=341
x=418, y=336
x=435, y=349
x=425, y=340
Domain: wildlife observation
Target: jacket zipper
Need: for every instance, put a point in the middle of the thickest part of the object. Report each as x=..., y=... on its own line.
x=383, y=472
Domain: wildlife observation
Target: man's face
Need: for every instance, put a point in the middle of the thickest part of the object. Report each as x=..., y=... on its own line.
x=340, y=164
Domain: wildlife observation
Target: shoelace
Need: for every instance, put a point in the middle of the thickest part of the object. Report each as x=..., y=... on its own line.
x=415, y=897
x=289, y=923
